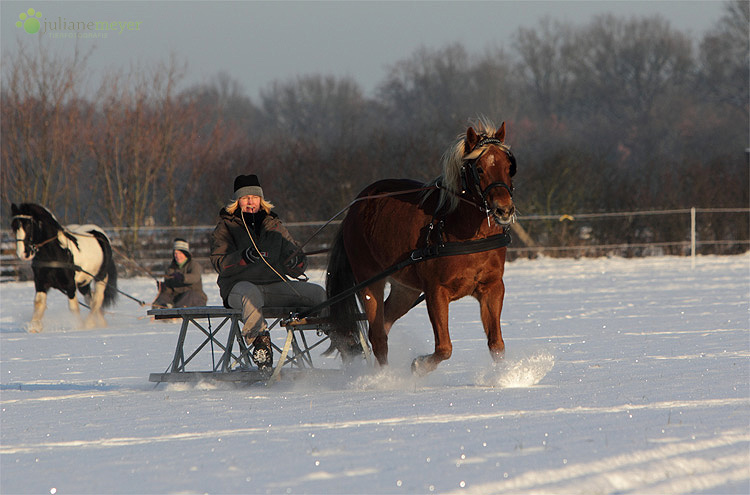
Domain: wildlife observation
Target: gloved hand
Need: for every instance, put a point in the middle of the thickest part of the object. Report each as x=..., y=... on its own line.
x=174, y=279
x=250, y=255
x=295, y=267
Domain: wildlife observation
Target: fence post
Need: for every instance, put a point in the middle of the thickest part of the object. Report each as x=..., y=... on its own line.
x=692, y=237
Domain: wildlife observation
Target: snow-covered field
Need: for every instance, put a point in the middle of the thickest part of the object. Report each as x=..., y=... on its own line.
x=621, y=376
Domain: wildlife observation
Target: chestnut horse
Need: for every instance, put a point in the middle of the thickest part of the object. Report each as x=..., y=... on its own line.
x=471, y=200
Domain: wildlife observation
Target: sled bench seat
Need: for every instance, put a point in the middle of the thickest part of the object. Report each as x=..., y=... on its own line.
x=230, y=363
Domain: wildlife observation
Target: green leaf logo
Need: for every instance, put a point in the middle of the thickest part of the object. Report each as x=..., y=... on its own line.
x=29, y=21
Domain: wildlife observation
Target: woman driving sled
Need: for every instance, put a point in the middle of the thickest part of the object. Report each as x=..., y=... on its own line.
x=254, y=255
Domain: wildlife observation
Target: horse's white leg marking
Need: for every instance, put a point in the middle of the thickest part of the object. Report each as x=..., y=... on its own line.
x=40, y=304
x=96, y=317
x=76, y=310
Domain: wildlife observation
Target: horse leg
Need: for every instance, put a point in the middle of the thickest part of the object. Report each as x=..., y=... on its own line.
x=399, y=302
x=437, y=308
x=372, y=299
x=96, y=299
x=75, y=308
x=491, y=305
x=40, y=304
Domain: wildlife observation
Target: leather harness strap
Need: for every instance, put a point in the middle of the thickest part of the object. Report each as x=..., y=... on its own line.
x=416, y=256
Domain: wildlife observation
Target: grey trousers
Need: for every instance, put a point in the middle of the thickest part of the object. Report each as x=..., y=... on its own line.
x=251, y=298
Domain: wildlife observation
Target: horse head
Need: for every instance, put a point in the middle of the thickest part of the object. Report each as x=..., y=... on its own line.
x=487, y=171
x=33, y=226
x=22, y=224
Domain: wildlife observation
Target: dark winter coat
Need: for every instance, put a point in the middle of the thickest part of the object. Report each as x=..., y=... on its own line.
x=191, y=272
x=182, y=286
x=231, y=238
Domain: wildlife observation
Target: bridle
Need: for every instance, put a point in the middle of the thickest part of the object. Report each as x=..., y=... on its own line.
x=28, y=240
x=470, y=170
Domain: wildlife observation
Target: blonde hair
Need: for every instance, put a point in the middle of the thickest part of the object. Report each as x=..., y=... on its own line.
x=232, y=206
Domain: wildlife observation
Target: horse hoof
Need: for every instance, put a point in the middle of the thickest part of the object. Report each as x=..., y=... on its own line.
x=34, y=326
x=94, y=321
x=419, y=368
x=497, y=357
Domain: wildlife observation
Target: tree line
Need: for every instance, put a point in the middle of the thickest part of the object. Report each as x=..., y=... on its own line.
x=617, y=114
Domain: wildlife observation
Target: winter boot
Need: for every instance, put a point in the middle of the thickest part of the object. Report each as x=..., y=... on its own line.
x=262, y=351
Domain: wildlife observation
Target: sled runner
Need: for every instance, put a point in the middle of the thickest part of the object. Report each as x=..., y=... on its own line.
x=220, y=335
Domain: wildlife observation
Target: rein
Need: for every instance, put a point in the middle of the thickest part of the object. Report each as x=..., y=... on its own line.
x=416, y=256
x=61, y=264
x=433, y=251
x=35, y=247
x=374, y=196
x=396, y=193
x=74, y=267
x=257, y=249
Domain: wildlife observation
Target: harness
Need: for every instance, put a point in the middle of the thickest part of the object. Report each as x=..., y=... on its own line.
x=72, y=266
x=417, y=256
x=34, y=248
x=439, y=249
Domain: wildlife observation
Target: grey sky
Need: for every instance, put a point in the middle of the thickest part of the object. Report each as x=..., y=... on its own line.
x=259, y=42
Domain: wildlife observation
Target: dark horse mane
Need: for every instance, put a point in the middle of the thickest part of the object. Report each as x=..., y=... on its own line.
x=45, y=220
x=39, y=213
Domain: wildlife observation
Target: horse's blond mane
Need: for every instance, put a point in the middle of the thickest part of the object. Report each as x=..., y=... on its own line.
x=452, y=161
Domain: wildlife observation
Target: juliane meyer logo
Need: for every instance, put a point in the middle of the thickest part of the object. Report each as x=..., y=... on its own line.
x=32, y=22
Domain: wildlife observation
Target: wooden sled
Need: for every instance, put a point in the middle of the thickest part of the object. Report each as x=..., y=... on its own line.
x=230, y=356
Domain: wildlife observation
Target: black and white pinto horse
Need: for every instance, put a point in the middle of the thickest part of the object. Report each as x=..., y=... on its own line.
x=65, y=258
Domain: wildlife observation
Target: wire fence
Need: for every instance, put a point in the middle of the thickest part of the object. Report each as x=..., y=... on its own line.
x=687, y=231
x=681, y=232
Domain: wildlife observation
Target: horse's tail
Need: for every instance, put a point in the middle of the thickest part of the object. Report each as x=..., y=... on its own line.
x=108, y=265
x=344, y=315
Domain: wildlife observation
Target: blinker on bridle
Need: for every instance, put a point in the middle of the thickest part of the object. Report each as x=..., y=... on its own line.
x=33, y=248
x=471, y=167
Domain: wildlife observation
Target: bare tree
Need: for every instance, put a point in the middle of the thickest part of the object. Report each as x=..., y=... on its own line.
x=430, y=92
x=43, y=120
x=725, y=57
x=622, y=67
x=325, y=109
x=145, y=147
x=314, y=129
x=545, y=66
